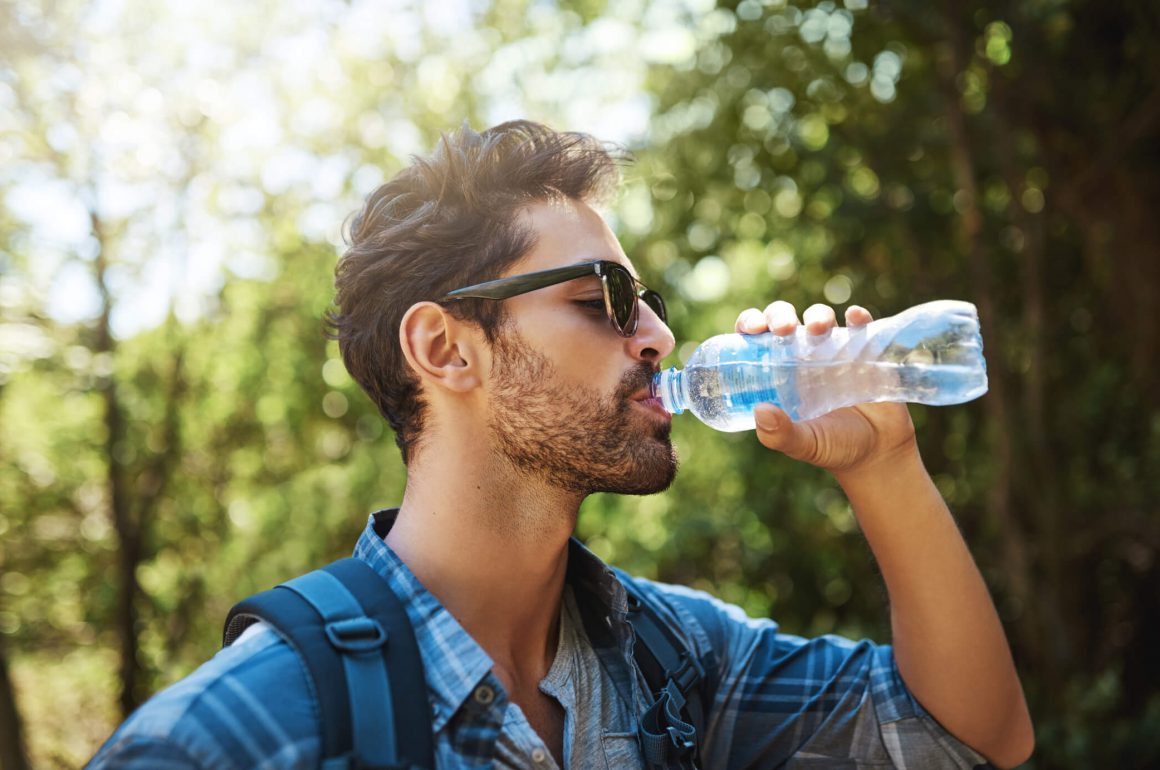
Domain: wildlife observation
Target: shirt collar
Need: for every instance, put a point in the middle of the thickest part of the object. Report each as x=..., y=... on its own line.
x=600, y=595
x=454, y=662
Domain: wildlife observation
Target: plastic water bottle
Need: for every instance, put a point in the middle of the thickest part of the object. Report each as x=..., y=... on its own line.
x=929, y=354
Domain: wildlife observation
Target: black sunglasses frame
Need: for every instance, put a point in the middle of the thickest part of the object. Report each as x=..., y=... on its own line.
x=514, y=285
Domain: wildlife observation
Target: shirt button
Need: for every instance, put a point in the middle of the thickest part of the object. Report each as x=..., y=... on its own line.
x=539, y=756
x=483, y=695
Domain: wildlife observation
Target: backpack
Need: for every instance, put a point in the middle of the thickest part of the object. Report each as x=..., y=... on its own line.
x=353, y=635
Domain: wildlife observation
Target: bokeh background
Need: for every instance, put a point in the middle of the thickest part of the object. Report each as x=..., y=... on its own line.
x=176, y=433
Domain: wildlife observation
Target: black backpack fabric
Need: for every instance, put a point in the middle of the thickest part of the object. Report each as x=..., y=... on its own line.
x=358, y=646
x=670, y=728
x=353, y=635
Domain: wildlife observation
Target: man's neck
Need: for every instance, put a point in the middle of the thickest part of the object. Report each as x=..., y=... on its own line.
x=492, y=546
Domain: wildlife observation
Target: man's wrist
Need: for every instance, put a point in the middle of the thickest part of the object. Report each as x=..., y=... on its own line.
x=884, y=470
x=892, y=497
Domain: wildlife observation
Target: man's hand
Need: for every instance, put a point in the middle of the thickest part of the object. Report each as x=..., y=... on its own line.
x=846, y=441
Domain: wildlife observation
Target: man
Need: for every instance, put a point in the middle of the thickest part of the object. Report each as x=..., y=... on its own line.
x=514, y=393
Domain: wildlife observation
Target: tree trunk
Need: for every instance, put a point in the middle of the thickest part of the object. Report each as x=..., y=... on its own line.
x=1042, y=488
x=12, y=755
x=120, y=501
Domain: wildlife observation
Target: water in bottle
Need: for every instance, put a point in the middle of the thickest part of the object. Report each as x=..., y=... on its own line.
x=929, y=354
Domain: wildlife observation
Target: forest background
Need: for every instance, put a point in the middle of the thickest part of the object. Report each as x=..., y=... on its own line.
x=176, y=433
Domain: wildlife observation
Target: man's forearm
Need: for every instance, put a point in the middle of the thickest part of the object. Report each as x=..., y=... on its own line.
x=948, y=642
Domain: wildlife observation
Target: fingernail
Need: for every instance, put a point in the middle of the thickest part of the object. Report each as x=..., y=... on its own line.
x=765, y=419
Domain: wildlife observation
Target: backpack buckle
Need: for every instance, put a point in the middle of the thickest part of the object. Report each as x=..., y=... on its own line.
x=356, y=634
x=688, y=674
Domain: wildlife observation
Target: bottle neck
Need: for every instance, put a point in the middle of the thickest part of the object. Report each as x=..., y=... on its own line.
x=669, y=386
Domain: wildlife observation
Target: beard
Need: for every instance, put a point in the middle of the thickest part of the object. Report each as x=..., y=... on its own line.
x=575, y=437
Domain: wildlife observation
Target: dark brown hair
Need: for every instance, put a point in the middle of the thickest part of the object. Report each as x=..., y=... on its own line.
x=446, y=221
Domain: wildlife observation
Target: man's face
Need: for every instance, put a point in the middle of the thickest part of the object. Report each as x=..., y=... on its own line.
x=568, y=395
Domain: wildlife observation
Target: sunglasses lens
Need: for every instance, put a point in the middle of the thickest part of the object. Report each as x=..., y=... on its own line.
x=654, y=301
x=622, y=299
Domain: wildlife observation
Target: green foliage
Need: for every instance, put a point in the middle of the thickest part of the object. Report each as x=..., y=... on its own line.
x=888, y=158
x=855, y=152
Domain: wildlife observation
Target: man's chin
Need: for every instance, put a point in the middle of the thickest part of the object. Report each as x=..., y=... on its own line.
x=657, y=476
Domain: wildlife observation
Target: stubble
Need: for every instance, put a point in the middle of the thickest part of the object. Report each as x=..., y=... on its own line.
x=576, y=438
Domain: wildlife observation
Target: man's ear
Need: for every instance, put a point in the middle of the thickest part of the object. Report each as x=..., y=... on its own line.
x=440, y=348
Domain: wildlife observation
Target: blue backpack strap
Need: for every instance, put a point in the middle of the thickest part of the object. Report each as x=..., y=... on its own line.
x=670, y=728
x=353, y=635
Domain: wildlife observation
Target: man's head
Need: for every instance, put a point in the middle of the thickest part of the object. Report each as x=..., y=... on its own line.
x=446, y=221
x=568, y=395
x=555, y=377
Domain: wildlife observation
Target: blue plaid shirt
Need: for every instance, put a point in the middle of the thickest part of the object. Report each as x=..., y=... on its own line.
x=774, y=698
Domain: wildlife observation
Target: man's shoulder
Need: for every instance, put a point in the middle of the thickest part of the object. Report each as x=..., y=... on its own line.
x=731, y=634
x=706, y=613
x=249, y=705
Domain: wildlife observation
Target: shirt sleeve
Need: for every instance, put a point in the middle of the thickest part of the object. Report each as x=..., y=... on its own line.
x=778, y=699
x=141, y=753
x=249, y=706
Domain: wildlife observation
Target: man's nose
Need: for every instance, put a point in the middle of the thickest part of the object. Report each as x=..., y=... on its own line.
x=653, y=340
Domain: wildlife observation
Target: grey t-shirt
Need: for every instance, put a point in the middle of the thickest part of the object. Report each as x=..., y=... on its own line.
x=598, y=724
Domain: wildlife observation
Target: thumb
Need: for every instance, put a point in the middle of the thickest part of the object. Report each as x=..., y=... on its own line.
x=776, y=431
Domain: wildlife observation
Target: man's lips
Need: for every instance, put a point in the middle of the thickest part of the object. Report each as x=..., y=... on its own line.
x=646, y=400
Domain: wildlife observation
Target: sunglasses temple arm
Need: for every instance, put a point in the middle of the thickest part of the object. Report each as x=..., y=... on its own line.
x=503, y=288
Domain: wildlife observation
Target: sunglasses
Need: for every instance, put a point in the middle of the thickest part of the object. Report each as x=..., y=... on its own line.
x=622, y=292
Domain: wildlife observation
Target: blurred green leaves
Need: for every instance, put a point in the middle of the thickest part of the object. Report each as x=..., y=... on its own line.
x=841, y=152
